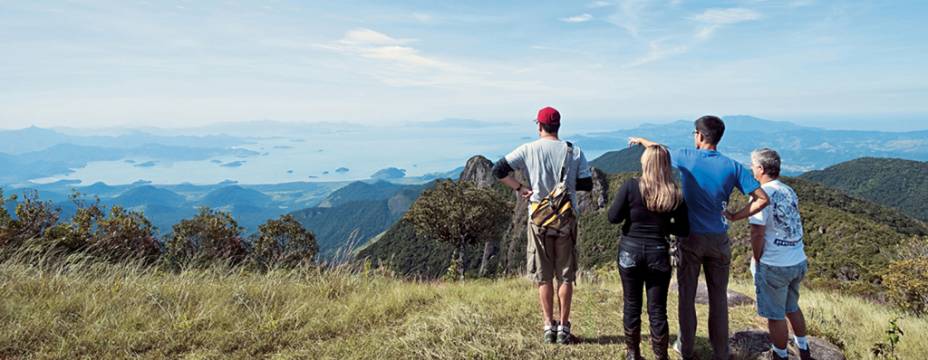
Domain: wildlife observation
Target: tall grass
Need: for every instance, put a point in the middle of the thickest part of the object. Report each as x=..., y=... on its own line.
x=78, y=308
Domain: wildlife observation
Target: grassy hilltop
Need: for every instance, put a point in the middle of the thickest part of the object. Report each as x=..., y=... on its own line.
x=86, y=310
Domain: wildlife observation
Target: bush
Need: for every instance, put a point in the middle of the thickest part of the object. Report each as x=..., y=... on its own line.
x=34, y=218
x=125, y=235
x=210, y=237
x=906, y=283
x=283, y=242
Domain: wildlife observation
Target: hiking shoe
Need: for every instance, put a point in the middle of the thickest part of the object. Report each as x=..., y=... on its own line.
x=551, y=333
x=772, y=355
x=805, y=354
x=563, y=334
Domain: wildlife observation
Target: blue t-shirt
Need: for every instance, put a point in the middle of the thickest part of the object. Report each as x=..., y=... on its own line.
x=708, y=179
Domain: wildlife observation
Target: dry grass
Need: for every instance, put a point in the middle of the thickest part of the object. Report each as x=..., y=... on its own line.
x=84, y=310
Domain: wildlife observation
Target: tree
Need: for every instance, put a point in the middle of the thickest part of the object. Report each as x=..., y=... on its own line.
x=210, y=236
x=6, y=222
x=284, y=242
x=459, y=214
x=125, y=235
x=34, y=218
x=78, y=234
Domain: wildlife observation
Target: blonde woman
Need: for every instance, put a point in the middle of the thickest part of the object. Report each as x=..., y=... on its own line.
x=652, y=208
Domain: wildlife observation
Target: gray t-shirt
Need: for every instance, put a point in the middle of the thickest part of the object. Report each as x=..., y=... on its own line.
x=542, y=160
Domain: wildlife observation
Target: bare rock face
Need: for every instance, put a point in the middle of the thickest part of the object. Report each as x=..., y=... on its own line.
x=590, y=201
x=752, y=344
x=702, y=295
x=479, y=170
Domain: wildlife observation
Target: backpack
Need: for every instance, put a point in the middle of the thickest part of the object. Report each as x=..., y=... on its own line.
x=555, y=211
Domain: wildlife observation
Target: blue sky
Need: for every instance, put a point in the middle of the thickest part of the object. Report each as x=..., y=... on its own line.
x=856, y=64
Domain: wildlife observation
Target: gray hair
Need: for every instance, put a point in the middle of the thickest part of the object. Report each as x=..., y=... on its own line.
x=768, y=160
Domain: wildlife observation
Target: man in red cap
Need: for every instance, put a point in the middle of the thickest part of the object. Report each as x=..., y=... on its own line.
x=551, y=251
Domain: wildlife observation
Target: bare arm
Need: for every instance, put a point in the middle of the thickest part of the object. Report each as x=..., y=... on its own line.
x=514, y=184
x=759, y=200
x=503, y=172
x=757, y=241
x=632, y=141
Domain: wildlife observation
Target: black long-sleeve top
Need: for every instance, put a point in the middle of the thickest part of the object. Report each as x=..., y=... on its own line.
x=644, y=224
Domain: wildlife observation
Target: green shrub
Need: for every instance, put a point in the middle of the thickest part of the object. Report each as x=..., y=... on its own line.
x=906, y=283
x=210, y=237
x=283, y=242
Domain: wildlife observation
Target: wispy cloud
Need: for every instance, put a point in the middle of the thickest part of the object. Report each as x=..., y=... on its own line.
x=800, y=3
x=658, y=50
x=396, y=62
x=363, y=36
x=376, y=45
x=578, y=18
x=713, y=19
x=422, y=17
x=727, y=16
x=676, y=43
x=599, y=4
x=632, y=15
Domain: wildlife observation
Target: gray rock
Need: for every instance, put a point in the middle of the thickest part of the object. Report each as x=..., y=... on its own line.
x=590, y=201
x=479, y=170
x=752, y=344
x=702, y=295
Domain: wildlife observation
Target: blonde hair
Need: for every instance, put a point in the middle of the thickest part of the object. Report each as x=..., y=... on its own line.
x=659, y=191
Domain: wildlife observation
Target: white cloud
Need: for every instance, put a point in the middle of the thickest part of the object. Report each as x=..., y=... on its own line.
x=404, y=55
x=726, y=16
x=376, y=45
x=716, y=18
x=800, y=3
x=658, y=50
x=598, y=4
x=395, y=62
x=363, y=36
x=629, y=16
x=422, y=17
x=578, y=18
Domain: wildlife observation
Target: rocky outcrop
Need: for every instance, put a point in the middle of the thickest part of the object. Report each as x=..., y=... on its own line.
x=479, y=170
x=752, y=344
x=589, y=201
x=702, y=295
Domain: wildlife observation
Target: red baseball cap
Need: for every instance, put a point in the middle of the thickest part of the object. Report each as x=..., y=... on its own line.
x=549, y=116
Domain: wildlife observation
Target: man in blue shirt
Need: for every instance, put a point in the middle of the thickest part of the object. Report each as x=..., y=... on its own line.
x=708, y=179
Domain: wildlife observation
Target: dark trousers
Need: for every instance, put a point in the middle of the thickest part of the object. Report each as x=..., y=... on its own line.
x=711, y=252
x=645, y=265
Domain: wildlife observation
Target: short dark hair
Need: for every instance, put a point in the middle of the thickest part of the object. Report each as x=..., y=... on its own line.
x=712, y=128
x=550, y=128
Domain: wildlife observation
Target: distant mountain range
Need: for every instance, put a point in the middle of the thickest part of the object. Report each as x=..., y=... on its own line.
x=803, y=148
x=34, y=153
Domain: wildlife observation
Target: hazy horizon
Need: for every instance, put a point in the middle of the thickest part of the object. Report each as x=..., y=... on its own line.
x=106, y=63
x=891, y=123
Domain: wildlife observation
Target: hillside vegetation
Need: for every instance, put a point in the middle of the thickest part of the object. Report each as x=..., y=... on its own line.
x=851, y=241
x=897, y=183
x=354, y=214
x=620, y=161
x=77, y=309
